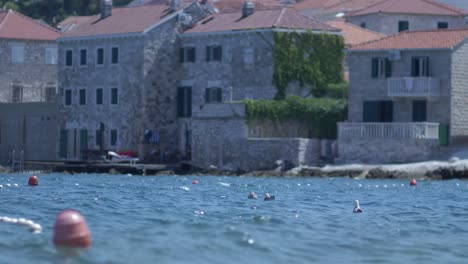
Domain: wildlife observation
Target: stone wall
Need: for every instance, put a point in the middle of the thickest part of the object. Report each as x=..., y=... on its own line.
x=363, y=87
x=33, y=75
x=459, y=96
x=385, y=150
x=388, y=23
x=28, y=127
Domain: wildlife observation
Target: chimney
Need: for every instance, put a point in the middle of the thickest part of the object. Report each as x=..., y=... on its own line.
x=174, y=4
x=248, y=8
x=106, y=8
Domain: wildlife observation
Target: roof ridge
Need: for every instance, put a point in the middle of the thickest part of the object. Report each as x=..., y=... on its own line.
x=367, y=7
x=358, y=27
x=311, y=18
x=34, y=21
x=346, y=1
x=280, y=16
x=447, y=6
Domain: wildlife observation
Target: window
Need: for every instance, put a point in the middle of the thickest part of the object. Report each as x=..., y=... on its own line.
x=17, y=54
x=99, y=96
x=115, y=55
x=442, y=25
x=381, y=68
x=403, y=25
x=69, y=58
x=68, y=97
x=378, y=111
x=17, y=93
x=419, y=111
x=114, y=96
x=213, y=95
x=83, y=57
x=214, y=53
x=420, y=66
x=51, y=55
x=363, y=25
x=98, y=140
x=187, y=54
x=113, y=137
x=100, y=56
x=50, y=94
x=82, y=96
x=184, y=102
x=249, y=57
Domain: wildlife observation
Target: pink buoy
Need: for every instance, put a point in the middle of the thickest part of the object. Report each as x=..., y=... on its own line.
x=33, y=181
x=195, y=182
x=413, y=182
x=71, y=230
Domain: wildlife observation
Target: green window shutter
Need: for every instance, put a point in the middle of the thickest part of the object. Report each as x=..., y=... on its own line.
x=207, y=95
x=189, y=101
x=181, y=53
x=219, y=95
x=208, y=54
x=414, y=67
x=388, y=68
x=375, y=69
x=180, y=102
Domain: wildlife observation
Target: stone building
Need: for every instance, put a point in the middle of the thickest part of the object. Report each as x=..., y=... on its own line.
x=228, y=57
x=407, y=97
x=393, y=16
x=28, y=59
x=117, y=78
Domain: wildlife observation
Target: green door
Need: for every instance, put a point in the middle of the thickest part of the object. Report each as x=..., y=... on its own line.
x=443, y=134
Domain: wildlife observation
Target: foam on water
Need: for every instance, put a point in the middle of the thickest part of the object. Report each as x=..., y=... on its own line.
x=159, y=219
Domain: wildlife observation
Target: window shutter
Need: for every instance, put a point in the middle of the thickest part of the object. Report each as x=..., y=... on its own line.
x=426, y=65
x=218, y=51
x=414, y=67
x=207, y=95
x=180, y=102
x=181, y=53
x=208, y=55
x=189, y=101
x=388, y=68
x=370, y=111
x=219, y=94
x=191, y=54
x=375, y=69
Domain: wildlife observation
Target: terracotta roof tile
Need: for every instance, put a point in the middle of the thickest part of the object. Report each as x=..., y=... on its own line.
x=260, y=19
x=123, y=20
x=14, y=25
x=431, y=39
x=334, y=5
x=410, y=7
x=354, y=35
x=72, y=22
x=223, y=6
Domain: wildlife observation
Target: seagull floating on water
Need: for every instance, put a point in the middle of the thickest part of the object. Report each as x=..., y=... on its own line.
x=357, y=208
x=268, y=197
x=252, y=195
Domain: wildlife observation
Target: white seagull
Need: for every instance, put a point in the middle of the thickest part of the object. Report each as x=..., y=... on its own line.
x=357, y=208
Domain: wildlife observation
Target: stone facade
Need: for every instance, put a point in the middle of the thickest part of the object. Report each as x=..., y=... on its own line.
x=388, y=23
x=221, y=140
x=26, y=70
x=458, y=95
x=28, y=127
x=362, y=87
x=388, y=150
x=145, y=78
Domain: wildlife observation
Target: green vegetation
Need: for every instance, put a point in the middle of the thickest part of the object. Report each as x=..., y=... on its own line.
x=337, y=90
x=311, y=59
x=48, y=10
x=322, y=113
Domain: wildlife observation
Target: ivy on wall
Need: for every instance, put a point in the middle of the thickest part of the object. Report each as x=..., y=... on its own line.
x=322, y=113
x=311, y=59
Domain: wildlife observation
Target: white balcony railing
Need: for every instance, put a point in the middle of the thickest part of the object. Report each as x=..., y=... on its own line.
x=413, y=87
x=423, y=130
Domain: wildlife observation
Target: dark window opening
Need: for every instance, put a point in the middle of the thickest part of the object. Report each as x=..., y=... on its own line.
x=82, y=96
x=419, y=111
x=442, y=25
x=69, y=58
x=83, y=57
x=100, y=56
x=115, y=55
x=17, y=93
x=113, y=137
x=214, y=53
x=99, y=96
x=420, y=66
x=403, y=25
x=187, y=54
x=381, y=68
x=68, y=97
x=114, y=96
x=363, y=25
x=378, y=111
x=213, y=95
x=184, y=102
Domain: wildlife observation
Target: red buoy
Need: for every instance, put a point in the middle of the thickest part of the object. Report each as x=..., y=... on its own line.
x=195, y=182
x=33, y=181
x=71, y=230
x=413, y=182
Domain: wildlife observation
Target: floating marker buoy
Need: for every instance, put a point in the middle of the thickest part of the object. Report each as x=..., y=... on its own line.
x=195, y=182
x=71, y=230
x=413, y=182
x=33, y=181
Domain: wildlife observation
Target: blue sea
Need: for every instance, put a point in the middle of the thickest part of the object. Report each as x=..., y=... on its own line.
x=167, y=219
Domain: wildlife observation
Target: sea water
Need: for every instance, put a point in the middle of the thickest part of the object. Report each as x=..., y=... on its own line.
x=167, y=219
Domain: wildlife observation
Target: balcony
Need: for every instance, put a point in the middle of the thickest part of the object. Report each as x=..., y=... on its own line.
x=423, y=130
x=413, y=87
